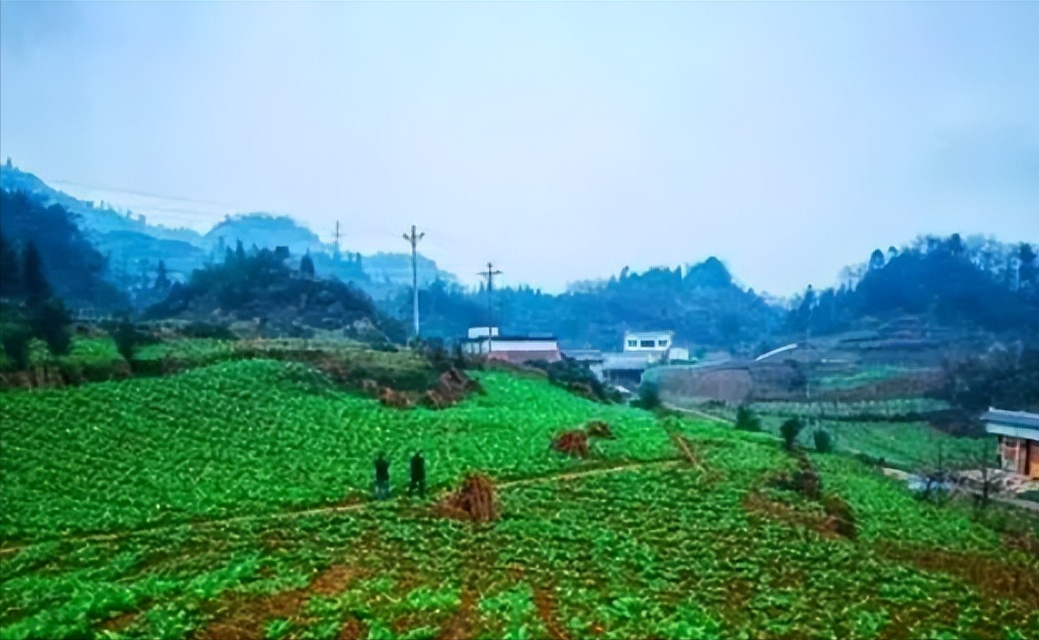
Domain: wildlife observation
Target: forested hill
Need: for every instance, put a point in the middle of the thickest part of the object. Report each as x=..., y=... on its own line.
x=135, y=246
x=700, y=303
x=71, y=265
x=973, y=284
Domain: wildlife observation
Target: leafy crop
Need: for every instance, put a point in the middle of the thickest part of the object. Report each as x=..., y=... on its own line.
x=248, y=436
x=677, y=550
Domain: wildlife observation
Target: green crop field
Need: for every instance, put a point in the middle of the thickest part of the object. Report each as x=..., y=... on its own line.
x=232, y=501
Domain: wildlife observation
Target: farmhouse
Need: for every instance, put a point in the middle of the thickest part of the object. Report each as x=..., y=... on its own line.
x=1018, y=433
x=487, y=341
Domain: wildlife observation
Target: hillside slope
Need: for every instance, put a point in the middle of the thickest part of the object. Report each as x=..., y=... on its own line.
x=622, y=545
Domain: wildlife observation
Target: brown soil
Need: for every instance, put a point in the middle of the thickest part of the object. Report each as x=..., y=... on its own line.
x=574, y=443
x=830, y=526
x=1026, y=541
x=460, y=626
x=353, y=629
x=119, y=622
x=244, y=619
x=599, y=429
x=393, y=398
x=545, y=601
x=475, y=500
x=990, y=576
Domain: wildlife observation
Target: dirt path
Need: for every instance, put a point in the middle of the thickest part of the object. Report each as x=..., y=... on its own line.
x=335, y=509
x=698, y=413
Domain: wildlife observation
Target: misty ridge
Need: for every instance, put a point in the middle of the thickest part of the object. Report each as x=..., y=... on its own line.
x=110, y=261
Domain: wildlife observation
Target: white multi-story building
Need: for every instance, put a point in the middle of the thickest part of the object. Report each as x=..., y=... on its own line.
x=650, y=342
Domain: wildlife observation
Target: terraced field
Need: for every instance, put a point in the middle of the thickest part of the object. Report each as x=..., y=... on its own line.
x=231, y=502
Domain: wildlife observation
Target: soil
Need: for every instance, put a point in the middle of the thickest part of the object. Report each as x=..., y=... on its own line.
x=545, y=601
x=599, y=429
x=574, y=443
x=990, y=576
x=460, y=626
x=244, y=619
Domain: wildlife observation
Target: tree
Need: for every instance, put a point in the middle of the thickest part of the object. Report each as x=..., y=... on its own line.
x=823, y=441
x=239, y=251
x=789, y=430
x=16, y=346
x=10, y=279
x=126, y=339
x=50, y=321
x=649, y=396
x=306, y=265
x=162, y=280
x=876, y=260
x=34, y=281
x=746, y=420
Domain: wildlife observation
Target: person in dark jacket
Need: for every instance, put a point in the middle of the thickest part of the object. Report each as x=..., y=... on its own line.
x=382, y=477
x=418, y=474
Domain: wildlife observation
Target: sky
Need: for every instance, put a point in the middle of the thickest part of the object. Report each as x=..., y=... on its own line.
x=562, y=141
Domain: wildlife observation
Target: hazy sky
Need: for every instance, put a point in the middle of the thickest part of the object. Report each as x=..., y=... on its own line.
x=563, y=141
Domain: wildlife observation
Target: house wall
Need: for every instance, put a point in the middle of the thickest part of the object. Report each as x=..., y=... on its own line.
x=1015, y=454
x=1033, y=459
x=520, y=357
x=655, y=337
x=518, y=346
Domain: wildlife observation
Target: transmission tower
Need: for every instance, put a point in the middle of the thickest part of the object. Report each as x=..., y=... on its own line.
x=413, y=238
x=489, y=274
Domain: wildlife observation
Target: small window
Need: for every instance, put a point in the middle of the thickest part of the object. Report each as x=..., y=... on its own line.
x=648, y=344
x=661, y=343
x=633, y=343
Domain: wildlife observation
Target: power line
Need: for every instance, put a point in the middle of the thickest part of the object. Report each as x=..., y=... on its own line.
x=142, y=193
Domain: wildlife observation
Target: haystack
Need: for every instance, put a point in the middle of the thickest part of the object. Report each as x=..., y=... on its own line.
x=474, y=500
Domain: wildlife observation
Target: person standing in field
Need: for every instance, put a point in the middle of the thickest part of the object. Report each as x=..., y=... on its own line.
x=382, y=477
x=418, y=474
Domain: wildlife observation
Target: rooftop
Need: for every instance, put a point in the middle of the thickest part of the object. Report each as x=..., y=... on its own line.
x=1021, y=419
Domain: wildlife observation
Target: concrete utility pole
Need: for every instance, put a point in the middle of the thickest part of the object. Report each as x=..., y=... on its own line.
x=489, y=274
x=336, y=256
x=413, y=239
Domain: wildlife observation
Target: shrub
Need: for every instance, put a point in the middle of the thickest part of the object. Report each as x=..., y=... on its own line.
x=126, y=339
x=50, y=322
x=649, y=396
x=789, y=430
x=823, y=441
x=16, y=346
x=746, y=420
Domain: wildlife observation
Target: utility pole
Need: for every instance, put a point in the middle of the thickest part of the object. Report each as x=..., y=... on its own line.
x=413, y=239
x=336, y=255
x=489, y=274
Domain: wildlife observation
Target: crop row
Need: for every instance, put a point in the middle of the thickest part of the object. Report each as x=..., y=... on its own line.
x=662, y=553
x=248, y=436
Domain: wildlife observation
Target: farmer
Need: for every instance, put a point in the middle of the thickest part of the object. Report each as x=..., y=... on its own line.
x=382, y=477
x=418, y=474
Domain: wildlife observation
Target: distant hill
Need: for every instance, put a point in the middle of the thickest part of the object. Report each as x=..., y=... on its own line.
x=94, y=220
x=135, y=246
x=702, y=304
x=263, y=230
x=272, y=298
x=72, y=266
x=942, y=283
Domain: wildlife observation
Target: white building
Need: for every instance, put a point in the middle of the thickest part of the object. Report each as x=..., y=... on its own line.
x=514, y=349
x=656, y=342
